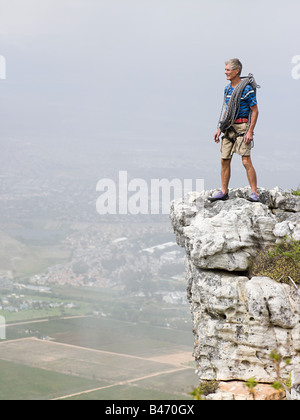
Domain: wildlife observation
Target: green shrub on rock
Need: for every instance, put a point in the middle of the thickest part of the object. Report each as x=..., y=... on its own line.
x=280, y=262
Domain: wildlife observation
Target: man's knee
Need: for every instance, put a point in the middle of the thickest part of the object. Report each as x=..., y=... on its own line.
x=247, y=162
x=225, y=162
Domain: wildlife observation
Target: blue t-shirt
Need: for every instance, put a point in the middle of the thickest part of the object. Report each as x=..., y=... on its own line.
x=248, y=99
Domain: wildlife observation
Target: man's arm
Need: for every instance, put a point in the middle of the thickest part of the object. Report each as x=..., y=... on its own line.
x=249, y=135
x=219, y=132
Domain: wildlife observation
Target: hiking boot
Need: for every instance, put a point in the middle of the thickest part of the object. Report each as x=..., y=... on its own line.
x=219, y=196
x=253, y=197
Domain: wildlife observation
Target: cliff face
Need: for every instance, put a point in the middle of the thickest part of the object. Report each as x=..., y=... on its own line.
x=238, y=321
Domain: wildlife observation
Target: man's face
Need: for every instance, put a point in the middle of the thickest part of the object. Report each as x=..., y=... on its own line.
x=231, y=74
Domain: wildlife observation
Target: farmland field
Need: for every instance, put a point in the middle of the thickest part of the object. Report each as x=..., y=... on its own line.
x=95, y=358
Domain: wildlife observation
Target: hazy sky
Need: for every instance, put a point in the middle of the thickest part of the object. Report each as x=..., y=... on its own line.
x=148, y=72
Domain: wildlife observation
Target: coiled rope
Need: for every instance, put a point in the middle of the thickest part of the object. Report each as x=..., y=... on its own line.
x=232, y=109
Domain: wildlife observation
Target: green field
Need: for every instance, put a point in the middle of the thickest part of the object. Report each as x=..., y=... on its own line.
x=22, y=382
x=95, y=358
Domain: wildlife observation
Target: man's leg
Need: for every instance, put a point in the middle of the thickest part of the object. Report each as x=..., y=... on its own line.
x=226, y=148
x=251, y=174
x=225, y=174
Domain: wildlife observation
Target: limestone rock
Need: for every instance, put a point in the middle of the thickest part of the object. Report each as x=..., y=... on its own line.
x=289, y=227
x=237, y=391
x=295, y=382
x=238, y=321
x=226, y=235
x=223, y=235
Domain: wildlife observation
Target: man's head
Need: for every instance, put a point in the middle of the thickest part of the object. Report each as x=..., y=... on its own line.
x=233, y=68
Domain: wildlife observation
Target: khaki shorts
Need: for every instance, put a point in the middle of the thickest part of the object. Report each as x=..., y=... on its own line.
x=239, y=147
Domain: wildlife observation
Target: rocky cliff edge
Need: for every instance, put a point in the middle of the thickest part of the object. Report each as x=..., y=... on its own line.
x=237, y=320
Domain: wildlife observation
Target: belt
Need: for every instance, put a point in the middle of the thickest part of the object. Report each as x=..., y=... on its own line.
x=241, y=120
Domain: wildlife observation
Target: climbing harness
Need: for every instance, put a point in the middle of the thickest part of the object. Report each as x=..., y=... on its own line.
x=232, y=110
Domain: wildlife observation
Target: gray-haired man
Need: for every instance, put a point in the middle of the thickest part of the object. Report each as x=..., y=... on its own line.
x=238, y=135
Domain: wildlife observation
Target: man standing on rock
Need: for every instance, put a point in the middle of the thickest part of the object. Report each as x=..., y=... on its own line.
x=239, y=119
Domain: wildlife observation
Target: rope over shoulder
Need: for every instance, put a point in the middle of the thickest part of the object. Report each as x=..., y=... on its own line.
x=232, y=110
